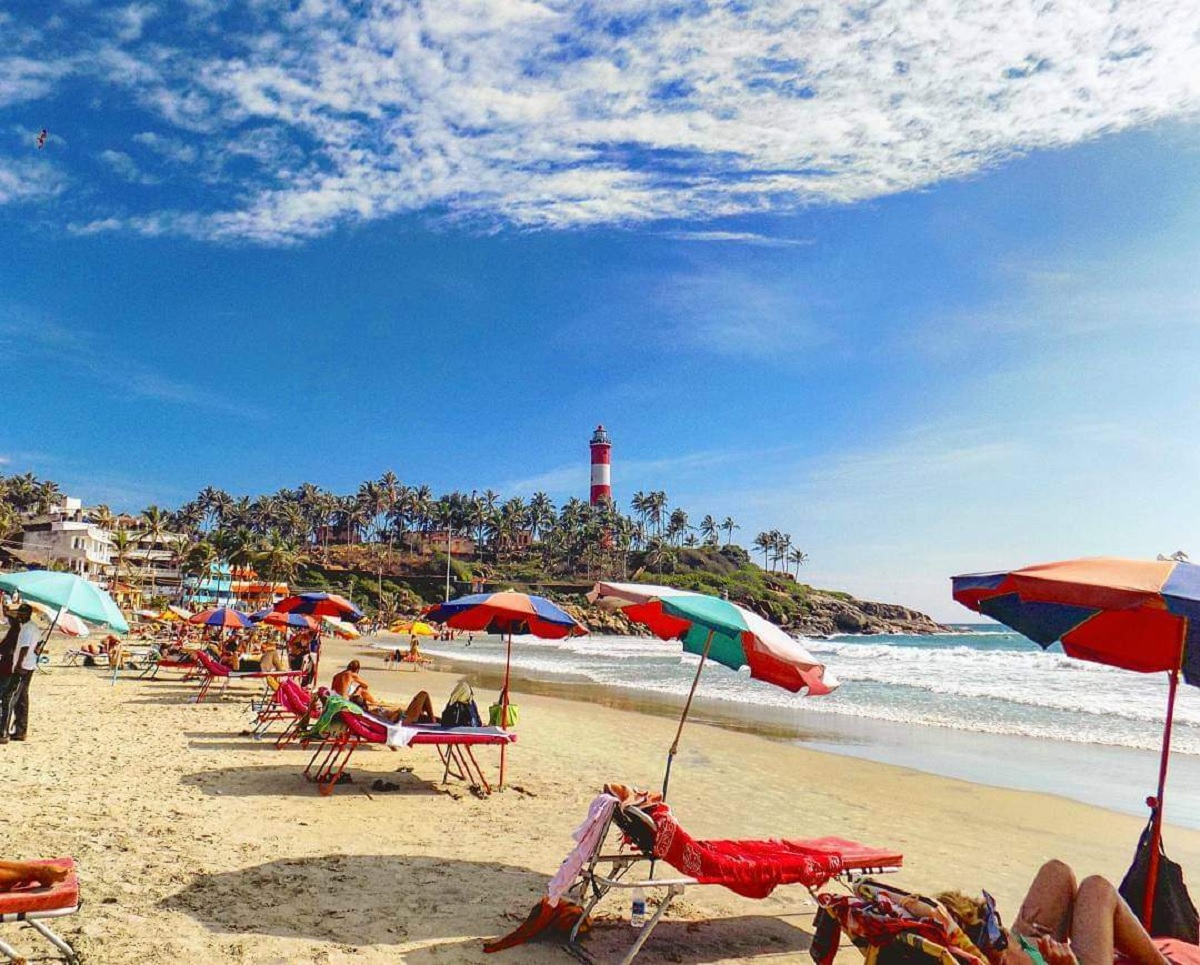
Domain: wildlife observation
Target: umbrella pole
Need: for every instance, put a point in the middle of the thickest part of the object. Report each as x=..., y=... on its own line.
x=504, y=705
x=1157, y=816
x=686, y=708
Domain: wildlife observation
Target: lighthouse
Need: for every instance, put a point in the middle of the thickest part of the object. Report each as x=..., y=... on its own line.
x=601, y=447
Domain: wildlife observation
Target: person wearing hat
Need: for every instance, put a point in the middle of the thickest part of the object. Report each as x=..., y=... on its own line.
x=18, y=661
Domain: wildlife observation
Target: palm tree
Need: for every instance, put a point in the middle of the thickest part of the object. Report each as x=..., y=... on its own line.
x=541, y=515
x=728, y=525
x=763, y=542
x=278, y=559
x=155, y=525
x=124, y=544
x=708, y=530
x=677, y=526
x=799, y=558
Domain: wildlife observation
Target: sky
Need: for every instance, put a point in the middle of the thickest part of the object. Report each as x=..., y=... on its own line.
x=913, y=282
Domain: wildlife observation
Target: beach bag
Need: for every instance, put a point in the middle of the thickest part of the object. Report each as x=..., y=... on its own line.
x=510, y=719
x=460, y=709
x=1174, y=913
x=494, y=713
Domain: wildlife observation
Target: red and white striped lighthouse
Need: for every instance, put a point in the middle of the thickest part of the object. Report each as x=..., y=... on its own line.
x=601, y=447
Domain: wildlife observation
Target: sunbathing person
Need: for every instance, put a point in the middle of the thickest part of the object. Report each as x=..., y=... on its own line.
x=18, y=874
x=1061, y=922
x=418, y=711
x=347, y=683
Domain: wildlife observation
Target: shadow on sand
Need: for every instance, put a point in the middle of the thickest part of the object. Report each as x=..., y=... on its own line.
x=288, y=779
x=433, y=901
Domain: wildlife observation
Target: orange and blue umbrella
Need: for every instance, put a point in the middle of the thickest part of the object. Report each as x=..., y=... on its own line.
x=1141, y=615
x=222, y=617
x=506, y=612
x=272, y=618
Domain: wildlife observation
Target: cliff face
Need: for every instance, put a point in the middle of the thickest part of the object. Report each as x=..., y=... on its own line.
x=835, y=614
x=827, y=615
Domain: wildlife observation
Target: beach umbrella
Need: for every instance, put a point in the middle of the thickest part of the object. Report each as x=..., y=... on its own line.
x=62, y=621
x=224, y=617
x=301, y=621
x=69, y=593
x=718, y=630
x=347, y=631
x=417, y=628
x=506, y=612
x=1140, y=615
x=320, y=605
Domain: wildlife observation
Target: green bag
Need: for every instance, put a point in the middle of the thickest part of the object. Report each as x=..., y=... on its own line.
x=514, y=714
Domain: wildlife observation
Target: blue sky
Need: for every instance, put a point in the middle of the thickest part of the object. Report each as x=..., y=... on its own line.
x=915, y=284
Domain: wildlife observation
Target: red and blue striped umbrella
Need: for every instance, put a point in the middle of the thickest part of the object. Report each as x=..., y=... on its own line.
x=1141, y=615
x=275, y=619
x=222, y=617
x=320, y=605
x=506, y=612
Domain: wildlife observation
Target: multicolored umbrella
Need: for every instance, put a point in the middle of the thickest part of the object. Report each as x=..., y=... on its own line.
x=66, y=591
x=719, y=630
x=222, y=617
x=1141, y=615
x=301, y=621
x=320, y=605
x=62, y=621
x=340, y=628
x=506, y=612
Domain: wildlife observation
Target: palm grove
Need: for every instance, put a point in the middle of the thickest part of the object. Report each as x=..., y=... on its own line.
x=382, y=524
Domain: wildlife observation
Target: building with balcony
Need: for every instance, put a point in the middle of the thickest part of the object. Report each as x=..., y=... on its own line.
x=67, y=537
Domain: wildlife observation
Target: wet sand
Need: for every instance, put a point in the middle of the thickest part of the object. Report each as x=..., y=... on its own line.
x=198, y=844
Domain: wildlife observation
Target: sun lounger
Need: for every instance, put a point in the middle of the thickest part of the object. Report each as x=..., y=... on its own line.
x=288, y=702
x=650, y=835
x=454, y=745
x=214, y=671
x=34, y=905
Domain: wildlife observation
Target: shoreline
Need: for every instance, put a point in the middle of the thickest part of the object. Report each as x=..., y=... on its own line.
x=1088, y=773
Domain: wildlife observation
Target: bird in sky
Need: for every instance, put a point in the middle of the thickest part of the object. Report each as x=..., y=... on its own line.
x=41, y=139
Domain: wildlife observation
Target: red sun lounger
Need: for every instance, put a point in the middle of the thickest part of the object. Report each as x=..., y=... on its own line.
x=289, y=702
x=650, y=835
x=33, y=905
x=214, y=670
x=454, y=745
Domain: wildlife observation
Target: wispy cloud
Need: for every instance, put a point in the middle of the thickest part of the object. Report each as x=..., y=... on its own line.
x=553, y=115
x=45, y=341
x=736, y=237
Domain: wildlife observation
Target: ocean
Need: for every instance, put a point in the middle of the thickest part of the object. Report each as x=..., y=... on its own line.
x=983, y=704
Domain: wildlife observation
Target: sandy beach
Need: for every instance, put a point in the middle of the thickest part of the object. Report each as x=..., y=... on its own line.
x=196, y=843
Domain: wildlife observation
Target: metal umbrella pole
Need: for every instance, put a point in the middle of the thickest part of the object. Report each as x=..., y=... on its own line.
x=1157, y=813
x=504, y=704
x=686, y=708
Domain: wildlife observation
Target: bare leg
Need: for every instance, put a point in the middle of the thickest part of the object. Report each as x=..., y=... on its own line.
x=1047, y=907
x=1102, y=923
x=420, y=710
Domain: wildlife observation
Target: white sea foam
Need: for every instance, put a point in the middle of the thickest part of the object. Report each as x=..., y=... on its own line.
x=988, y=682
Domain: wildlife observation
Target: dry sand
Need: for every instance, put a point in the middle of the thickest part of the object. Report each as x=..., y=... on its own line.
x=196, y=844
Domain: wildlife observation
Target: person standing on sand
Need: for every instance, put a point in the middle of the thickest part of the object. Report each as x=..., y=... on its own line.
x=18, y=661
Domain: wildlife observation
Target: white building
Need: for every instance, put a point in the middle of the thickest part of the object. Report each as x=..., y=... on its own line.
x=64, y=536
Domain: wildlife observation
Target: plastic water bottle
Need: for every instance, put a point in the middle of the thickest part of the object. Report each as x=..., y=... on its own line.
x=637, y=913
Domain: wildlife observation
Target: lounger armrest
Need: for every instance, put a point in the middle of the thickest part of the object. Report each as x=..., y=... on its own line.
x=672, y=883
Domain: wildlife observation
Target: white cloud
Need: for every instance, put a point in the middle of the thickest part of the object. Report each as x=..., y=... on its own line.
x=738, y=237
x=126, y=167
x=556, y=114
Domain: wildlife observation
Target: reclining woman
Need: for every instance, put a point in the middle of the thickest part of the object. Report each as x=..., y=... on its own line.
x=1061, y=922
x=354, y=688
